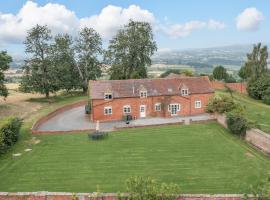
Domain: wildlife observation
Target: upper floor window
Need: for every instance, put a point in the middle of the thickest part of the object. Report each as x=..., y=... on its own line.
x=126, y=109
x=184, y=92
x=158, y=107
x=108, y=110
x=198, y=104
x=143, y=94
x=107, y=96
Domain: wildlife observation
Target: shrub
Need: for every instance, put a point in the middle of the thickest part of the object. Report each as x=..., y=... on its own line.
x=9, y=133
x=266, y=96
x=145, y=188
x=220, y=104
x=237, y=122
x=257, y=88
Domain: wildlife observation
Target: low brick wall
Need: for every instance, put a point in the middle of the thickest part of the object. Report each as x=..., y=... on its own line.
x=238, y=87
x=44, y=119
x=259, y=139
x=106, y=196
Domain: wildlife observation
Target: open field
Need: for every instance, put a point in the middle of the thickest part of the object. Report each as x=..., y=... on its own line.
x=26, y=104
x=202, y=158
x=255, y=110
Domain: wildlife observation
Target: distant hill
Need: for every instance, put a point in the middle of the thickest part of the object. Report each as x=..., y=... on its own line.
x=230, y=56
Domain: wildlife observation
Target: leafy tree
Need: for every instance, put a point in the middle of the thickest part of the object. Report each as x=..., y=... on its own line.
x=88, y=47
x=5, y=59
x=169, y=71
x=220, y=73
x=130, y=51
x=187, y=72
x=230, y=79
x=39, y=74
x=256, y=87
x=243, y=73
x=220, y=104
x=256, y=64
x=67, y=75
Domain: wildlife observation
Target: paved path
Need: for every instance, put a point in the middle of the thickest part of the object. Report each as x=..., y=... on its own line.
x=75, y=119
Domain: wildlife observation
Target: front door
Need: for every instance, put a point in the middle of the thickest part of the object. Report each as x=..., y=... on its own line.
x=142, y=110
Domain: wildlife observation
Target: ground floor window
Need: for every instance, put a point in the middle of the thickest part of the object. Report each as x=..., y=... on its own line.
x=174, y=108
x=158, y=107
x=108, y=110
x=198, y=104
x=126, y=109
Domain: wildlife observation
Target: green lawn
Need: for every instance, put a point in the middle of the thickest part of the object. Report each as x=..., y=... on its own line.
x=201, y=158
x=256, y=110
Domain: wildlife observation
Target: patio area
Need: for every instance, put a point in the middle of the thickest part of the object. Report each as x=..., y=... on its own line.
x=75, y=119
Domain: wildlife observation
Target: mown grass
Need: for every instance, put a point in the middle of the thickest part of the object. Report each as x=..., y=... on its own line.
x=201, y=158
x=256, y=111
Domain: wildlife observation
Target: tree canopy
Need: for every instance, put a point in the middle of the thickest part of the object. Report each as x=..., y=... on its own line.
x=256, y=63
x=5, y=60
x=39, y=74
x=220, y=73
x=87, y=48
x=130, y=51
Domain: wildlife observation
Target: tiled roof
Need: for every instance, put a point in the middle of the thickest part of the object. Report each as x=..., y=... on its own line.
x=154, y=87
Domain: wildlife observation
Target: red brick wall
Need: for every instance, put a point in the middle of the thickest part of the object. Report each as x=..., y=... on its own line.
x=88, y=196
x=239, y=87
x=187, y=106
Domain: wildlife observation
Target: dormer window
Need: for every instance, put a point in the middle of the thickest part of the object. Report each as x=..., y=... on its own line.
x=143, y=94
x=107, y=96
x=184, y=92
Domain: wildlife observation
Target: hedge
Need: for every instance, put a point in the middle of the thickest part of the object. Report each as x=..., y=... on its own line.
x=9, y=132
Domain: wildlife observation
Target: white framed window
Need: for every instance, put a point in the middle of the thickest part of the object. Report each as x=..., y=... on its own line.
x=143, y=94
x=184, y=92
x=158, y=107
x=198, y=104
x=108, y=110
x=126, y=109
x=174, y=108
x=108, y=96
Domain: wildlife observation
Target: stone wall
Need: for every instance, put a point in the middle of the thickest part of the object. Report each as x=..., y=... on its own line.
x=221, y=119
x=259, y=139
x=106, y=196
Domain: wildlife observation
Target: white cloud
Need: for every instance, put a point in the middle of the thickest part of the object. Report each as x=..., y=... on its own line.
x=111, y=18
x=249, y=20
x=13, y=27
x=215, y=25
x=183, y=30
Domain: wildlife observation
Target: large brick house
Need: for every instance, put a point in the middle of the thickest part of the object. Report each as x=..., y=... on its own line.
x=140, y=98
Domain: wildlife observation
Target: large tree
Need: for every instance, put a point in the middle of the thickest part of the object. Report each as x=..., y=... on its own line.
x=256, y=63
x=67, y=76
x=39, y=75
x=88, y=47
x=220, y=73
x=5, y=60
x=130, y=51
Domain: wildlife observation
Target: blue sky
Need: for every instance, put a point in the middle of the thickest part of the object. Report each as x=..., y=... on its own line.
x=177, y=24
